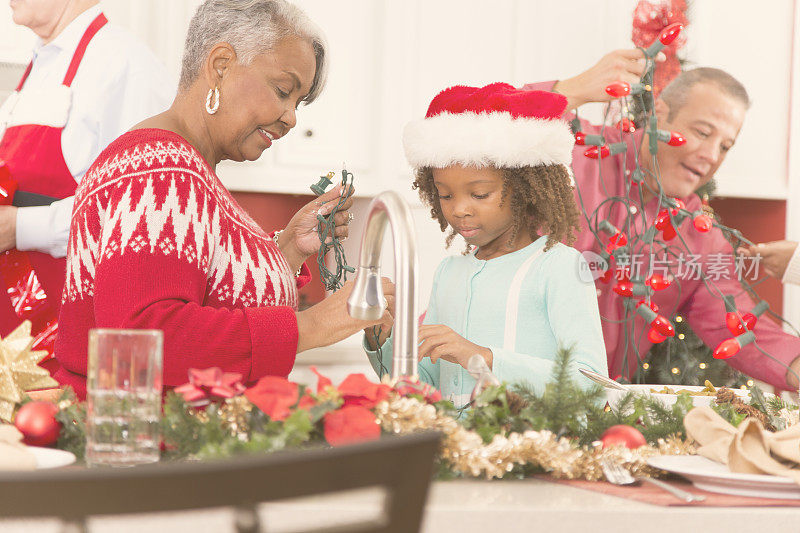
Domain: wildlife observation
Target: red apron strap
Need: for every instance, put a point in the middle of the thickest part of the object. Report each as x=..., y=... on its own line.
x=93, y=28
x=25, y=76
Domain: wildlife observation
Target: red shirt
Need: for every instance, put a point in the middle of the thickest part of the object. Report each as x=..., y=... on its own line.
x=626, y=338
x=157, y=242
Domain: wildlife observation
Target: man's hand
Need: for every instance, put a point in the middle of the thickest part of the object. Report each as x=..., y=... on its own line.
x=590, y=86
x=775, y=255
x=299, y=239
x=438, y=341
x=8, y=227
x=791, y=375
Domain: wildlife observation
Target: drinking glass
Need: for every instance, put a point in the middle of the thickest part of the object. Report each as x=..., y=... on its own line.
x=124, y=397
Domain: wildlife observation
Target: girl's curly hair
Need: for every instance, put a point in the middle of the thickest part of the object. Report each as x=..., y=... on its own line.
x=541, y=200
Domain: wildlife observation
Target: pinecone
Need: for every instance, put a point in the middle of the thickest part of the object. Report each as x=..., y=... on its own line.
x=516, y=403
x=725, y=395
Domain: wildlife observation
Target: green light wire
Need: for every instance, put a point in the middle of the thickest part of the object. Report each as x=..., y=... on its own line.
x=326, y=229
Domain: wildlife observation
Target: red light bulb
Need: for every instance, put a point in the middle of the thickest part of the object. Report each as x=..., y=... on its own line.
x=624, y=288
x=655, y=337
x=662, y=220
x=606, y=277
x=730, y=347
x=734, y=324
x=626, y=125
x=597, y=153
x=651, y=304
x=580, y=138
x=658, y=282
x=727, y=348
x=679, y=204
x=615, y=241
x=663, y=326
x=618, y=89
x=676, y=139
x=749, y=320
x=670, y=33
x=703, y=223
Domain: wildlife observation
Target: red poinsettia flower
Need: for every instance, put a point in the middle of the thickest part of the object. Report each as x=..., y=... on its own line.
x=306, y=402
x=323, y=382
x=209, y=384
x=406, y=386
x=351, y=424
x=356, y=389
x=274, y=395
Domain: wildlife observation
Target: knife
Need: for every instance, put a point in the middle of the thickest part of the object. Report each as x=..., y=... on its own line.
x=601, y=379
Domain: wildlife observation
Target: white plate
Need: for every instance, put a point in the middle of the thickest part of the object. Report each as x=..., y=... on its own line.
x=614, y=395
x=715, y=477
x=51, y=458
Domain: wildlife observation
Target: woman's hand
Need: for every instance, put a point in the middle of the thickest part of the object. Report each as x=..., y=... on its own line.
x=441, y=342
x=775, y=255
x=329, y=322
x=626, y=65
x=299, y=239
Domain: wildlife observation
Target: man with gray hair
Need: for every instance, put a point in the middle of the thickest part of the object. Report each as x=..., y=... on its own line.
x=707, y=107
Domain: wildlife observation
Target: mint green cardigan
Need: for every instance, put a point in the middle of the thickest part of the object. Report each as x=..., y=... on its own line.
x=522, y=306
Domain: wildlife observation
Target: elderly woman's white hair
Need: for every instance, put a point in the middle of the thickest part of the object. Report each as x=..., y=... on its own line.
x=251, y=27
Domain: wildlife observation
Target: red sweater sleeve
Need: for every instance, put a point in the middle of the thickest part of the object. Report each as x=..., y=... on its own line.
x=160, y=289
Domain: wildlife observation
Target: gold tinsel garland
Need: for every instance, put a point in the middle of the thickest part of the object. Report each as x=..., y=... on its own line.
x=467, y=454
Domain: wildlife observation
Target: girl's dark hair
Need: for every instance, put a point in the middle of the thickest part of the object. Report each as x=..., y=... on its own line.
x=541, y=200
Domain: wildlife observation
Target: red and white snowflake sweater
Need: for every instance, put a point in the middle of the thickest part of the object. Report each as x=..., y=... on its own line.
x=157, y=242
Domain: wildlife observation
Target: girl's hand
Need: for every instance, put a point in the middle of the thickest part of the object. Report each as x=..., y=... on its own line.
x=441, y=342
x=299, y=239
x=386, y=327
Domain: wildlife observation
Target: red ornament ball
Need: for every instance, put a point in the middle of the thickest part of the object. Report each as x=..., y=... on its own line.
x=621, y=434
x=37, y=423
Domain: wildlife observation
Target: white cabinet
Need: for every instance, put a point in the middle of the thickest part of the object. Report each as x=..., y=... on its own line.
x=389, y=57
x=755, y=46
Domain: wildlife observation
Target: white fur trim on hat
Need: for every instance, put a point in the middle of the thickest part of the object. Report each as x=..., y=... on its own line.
x=487, y=139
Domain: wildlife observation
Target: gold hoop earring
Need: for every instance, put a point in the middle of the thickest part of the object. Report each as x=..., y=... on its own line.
x=212, y=93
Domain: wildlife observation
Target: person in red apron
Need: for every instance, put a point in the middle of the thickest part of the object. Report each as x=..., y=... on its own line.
x=33, y=170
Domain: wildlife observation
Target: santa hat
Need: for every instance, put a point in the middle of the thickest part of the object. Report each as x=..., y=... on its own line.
x=496, y=125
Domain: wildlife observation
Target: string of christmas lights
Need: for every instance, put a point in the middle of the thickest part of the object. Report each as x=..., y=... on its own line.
x=637, y=235
x=326, y=227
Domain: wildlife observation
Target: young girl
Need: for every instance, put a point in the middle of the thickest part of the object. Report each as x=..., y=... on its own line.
x=493, y=164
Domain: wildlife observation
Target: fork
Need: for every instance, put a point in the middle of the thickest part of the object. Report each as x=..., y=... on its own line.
x=618, y=475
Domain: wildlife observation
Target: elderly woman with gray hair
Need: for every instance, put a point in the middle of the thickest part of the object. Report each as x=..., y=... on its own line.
x=156, y=241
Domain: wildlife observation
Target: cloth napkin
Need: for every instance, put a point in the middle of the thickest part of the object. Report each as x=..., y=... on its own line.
x=14, y=455
x=747, y=449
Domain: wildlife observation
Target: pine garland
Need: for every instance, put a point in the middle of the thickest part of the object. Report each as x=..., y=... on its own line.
x=508, y=431
x=569, y=410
